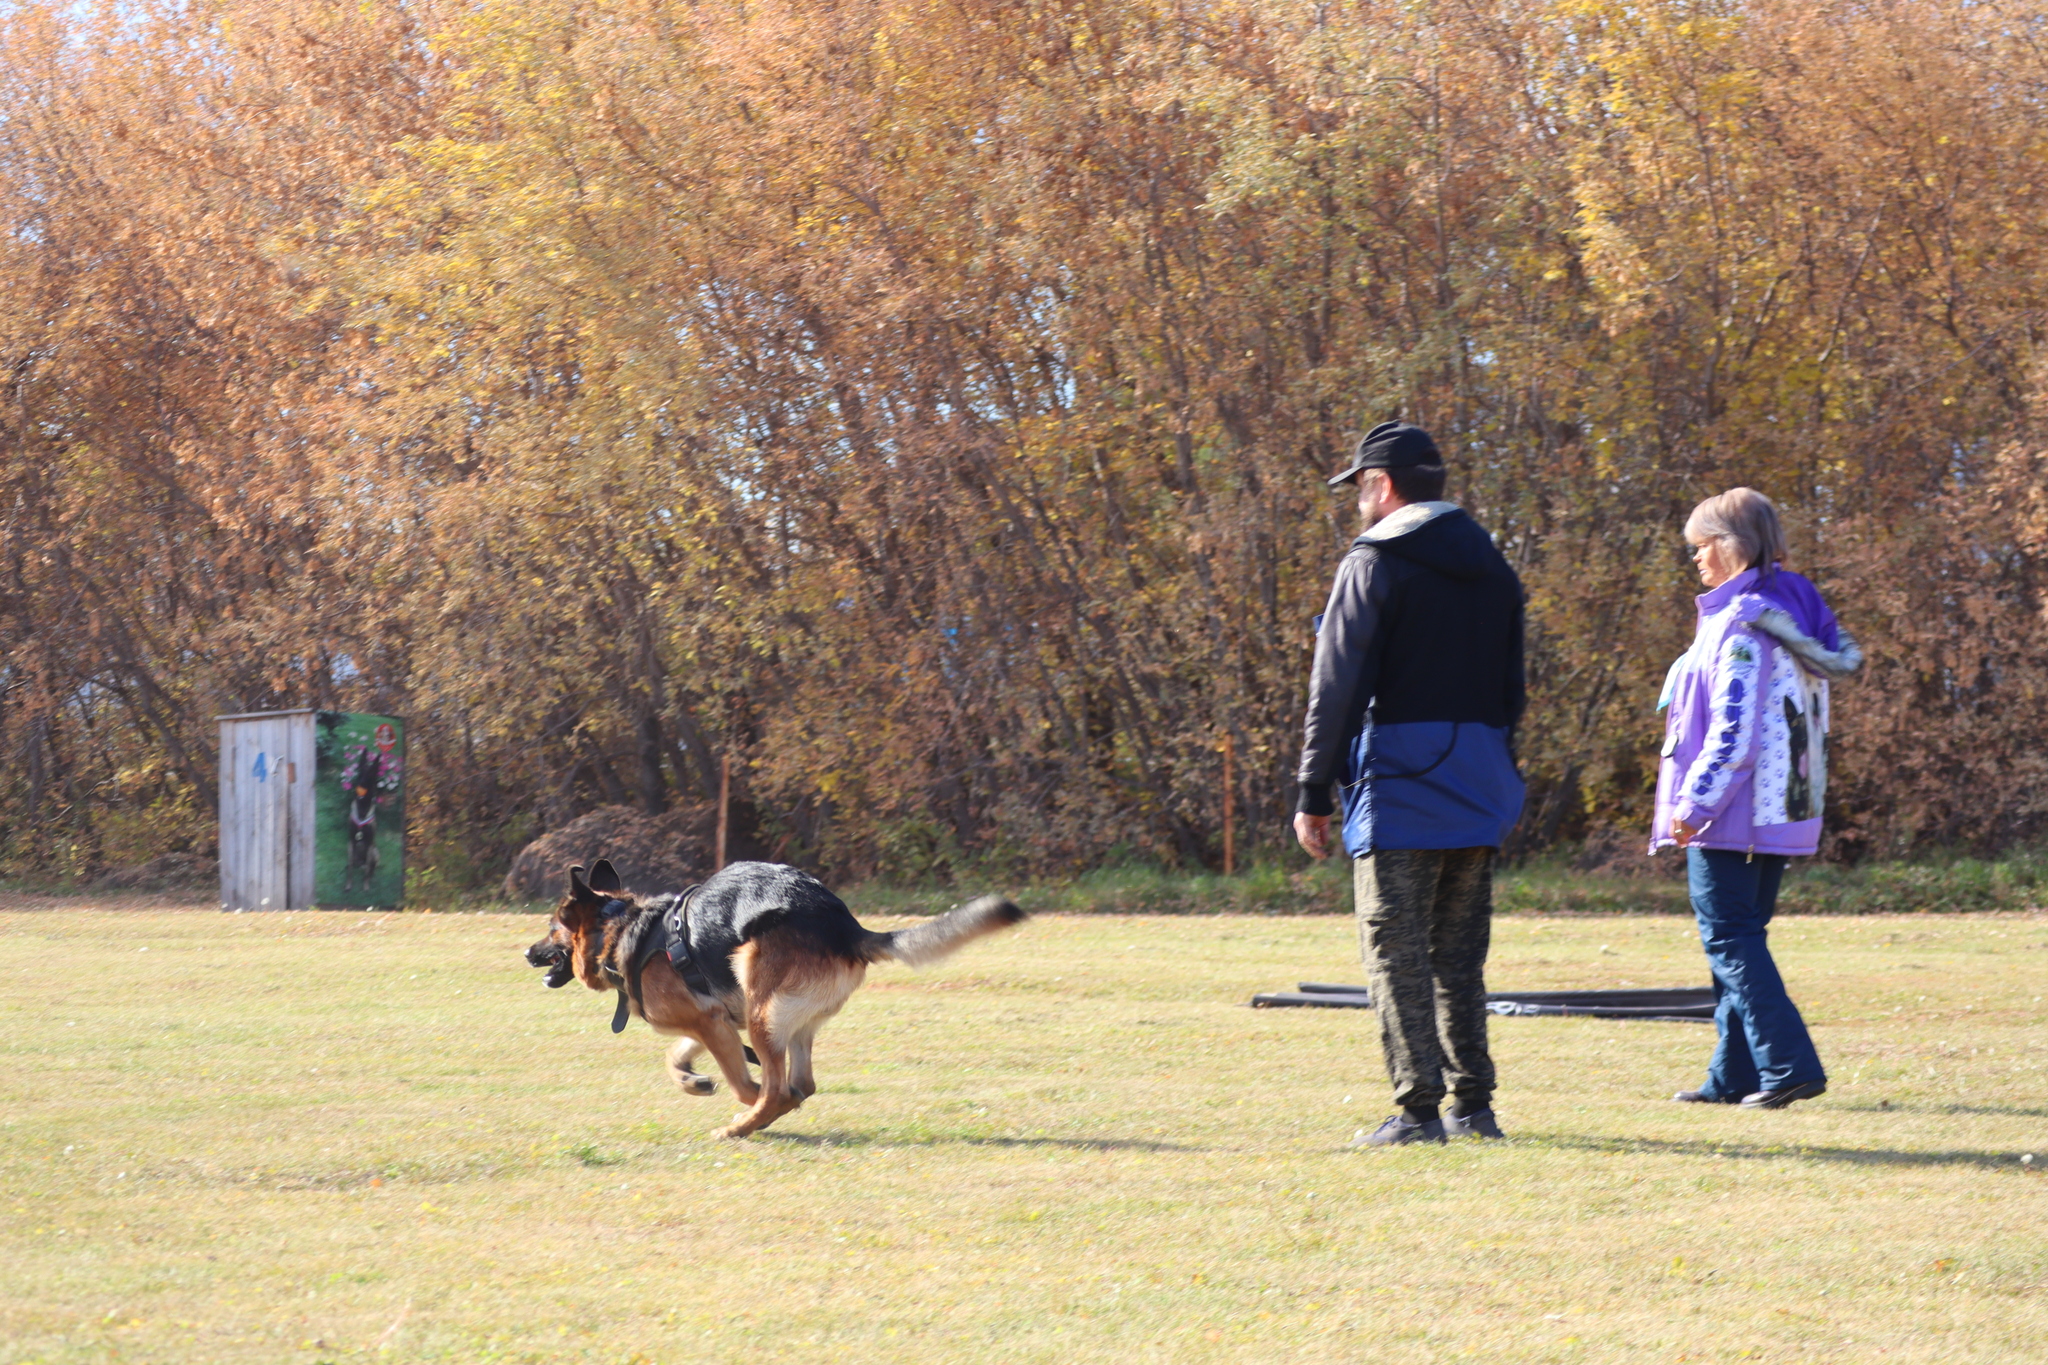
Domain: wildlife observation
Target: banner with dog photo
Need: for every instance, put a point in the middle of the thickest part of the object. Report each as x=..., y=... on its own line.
x=358, y=809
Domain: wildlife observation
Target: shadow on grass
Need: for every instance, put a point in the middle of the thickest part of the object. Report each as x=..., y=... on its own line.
x=1786, y=1151
x=844, y=1139
x=1979, y=1110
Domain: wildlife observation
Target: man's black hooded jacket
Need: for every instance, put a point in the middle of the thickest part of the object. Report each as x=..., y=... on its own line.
x=1424, y=623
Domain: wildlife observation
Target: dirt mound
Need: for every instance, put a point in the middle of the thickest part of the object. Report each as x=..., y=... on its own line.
x=652, y=852
x=167, y=872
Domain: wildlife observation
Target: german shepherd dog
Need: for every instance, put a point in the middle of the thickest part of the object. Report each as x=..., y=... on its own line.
x=772, y=951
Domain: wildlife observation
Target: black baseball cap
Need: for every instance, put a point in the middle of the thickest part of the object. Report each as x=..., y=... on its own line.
x=1391, y=445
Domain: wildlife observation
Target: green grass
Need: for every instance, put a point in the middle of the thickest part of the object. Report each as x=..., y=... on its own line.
x=1292, y=885
x=2017, y=881
x=308, y=1137
x=1289, y=884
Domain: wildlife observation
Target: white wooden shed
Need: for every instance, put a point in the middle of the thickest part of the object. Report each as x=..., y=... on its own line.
x=266, y=810
x=312, y=810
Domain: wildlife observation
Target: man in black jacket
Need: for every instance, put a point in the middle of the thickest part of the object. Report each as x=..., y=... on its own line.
x=1416, y=690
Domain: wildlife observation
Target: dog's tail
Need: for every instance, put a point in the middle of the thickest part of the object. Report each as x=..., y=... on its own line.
x=944, y=934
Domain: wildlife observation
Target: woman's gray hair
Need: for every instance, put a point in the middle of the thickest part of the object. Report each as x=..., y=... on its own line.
x=1744, y=518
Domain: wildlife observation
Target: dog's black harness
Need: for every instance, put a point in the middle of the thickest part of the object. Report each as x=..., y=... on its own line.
x=656, y=931
x=653, y=931
x=676, y=923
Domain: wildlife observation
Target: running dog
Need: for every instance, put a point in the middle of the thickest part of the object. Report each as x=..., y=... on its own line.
x=758, y=946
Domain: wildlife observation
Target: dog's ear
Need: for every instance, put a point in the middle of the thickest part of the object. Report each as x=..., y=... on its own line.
x=604, y=878
x=578, y=888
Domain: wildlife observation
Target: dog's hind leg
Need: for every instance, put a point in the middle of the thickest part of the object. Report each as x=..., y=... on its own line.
x=801, y=1015
x=764, y=967
x=803, y=1007
x=680, y=1055
x=775, y=1099
x=803, y=1082
x=791, y=992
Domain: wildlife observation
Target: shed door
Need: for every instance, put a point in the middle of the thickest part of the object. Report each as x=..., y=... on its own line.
x=299, y=778
x=256, y=814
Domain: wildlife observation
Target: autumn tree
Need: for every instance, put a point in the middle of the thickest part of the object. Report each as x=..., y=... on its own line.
x=925, y=406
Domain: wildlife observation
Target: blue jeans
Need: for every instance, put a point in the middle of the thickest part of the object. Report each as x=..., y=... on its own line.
x=1764, y=1044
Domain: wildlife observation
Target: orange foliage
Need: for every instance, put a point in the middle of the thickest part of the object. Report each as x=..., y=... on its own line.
x=925, y=402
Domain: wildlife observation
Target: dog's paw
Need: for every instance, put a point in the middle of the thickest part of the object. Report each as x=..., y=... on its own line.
x=697, y=1085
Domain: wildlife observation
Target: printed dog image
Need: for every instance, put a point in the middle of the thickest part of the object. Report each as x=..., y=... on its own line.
x=758, y=946
x=362, y=828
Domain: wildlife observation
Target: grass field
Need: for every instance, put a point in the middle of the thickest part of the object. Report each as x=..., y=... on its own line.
x=331, y=1137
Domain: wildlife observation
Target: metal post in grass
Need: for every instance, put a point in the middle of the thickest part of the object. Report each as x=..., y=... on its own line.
x=724, y=801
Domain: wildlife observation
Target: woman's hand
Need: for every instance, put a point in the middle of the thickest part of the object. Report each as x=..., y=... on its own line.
x=1683, y=834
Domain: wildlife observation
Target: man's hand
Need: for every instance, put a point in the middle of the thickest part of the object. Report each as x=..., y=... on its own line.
x=1683, y=834
x=1314, y=833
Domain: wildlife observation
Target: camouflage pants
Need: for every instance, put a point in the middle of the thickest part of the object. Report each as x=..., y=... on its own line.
x=1425, y=919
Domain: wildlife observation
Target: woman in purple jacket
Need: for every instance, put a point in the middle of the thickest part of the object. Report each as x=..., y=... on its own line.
x=1743, y=776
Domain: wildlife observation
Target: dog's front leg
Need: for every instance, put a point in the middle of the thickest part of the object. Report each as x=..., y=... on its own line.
x=723, y=1041
x=685, y=1051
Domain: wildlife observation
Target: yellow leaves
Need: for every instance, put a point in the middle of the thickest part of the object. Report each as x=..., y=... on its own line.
x=937, y=394
x=1613, y=262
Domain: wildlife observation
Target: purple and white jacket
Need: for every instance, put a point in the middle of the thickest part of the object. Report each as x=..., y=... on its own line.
x=1745, y=736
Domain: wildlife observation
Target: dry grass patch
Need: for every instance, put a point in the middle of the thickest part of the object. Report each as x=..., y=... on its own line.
x=314, y=1137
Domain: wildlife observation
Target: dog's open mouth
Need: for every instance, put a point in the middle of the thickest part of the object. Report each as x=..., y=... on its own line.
x=555, y=958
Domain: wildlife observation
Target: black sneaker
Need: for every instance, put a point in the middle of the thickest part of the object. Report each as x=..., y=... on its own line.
x=1701, y=1097
x=1397, y=1130
x=1778, y=1099
x=1479, y=1123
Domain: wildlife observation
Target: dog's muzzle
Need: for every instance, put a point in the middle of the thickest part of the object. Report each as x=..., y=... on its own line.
x=555, y=958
